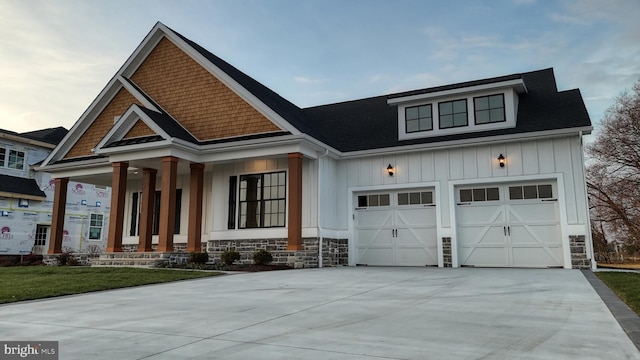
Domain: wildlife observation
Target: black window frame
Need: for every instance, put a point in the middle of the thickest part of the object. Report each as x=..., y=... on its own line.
x=453, y=113
x=407, y=120
x=475, y=109
x=259, y=203
x=136, y=211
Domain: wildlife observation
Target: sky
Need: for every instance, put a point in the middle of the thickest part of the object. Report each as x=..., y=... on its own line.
x=56, y=56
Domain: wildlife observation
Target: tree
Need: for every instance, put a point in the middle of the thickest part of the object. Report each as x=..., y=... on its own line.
x=613, y=175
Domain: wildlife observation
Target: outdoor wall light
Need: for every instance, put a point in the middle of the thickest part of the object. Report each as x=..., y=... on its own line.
x=501, y=160
x=390, y=170
x=23, y=203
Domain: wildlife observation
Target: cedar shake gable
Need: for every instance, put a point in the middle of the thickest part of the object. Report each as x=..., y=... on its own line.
x=200, y=102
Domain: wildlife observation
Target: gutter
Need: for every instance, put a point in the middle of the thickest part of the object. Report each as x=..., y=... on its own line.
x=320, y=230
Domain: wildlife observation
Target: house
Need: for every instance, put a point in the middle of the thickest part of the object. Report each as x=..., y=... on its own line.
x=200, y=156
x=26, y=199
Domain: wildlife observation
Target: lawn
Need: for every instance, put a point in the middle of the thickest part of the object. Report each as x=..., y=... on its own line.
x=626, y=285
x=37, y=282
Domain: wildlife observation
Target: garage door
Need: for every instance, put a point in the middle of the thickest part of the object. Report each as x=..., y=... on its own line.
x=396, y=229
x=509, y=226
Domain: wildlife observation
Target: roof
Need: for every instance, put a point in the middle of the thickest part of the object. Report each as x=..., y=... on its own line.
x=51, y=136
x=17, y=187
x=363, y=124
x=371, y=123
x=283, y=107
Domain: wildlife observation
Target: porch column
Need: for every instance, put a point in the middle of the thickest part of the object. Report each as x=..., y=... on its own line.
x=146, y=209
x=57, y=220
x=295, y=202
x=116, y=214
x=195, y=208
x=167, y=203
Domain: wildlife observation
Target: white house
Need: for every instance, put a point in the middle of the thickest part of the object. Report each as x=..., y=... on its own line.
x=199, y=155
x=26, y=199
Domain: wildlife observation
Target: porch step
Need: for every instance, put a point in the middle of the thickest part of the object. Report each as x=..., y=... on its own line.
x=132, y=259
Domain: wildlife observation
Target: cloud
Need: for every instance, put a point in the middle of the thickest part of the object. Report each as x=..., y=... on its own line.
x=309, y=80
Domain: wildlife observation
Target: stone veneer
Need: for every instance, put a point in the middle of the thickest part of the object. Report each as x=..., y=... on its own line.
x=579, y=259
x=447, y=260
x=334, y=251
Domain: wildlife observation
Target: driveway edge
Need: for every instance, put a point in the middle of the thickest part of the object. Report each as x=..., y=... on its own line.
x=628, y=319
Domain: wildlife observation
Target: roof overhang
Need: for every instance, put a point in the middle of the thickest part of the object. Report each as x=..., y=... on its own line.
x=516, y=84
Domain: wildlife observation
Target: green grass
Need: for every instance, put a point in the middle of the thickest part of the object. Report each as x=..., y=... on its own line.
x=626, y=285
x=38, y=282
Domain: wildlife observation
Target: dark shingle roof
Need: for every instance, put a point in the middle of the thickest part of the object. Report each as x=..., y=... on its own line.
x=52, y=135
x=372, y=123
x=20, y=186
x=283, y=107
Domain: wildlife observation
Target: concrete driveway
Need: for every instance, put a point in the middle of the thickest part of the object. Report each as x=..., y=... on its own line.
x=334, y=313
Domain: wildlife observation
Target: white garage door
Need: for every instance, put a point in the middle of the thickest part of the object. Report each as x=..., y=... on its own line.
x=396, y=229
x=509, y=226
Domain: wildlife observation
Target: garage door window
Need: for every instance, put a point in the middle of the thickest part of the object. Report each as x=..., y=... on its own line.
x=479, y=194
x=373, y=200
x=526, y=192
x=415, y=198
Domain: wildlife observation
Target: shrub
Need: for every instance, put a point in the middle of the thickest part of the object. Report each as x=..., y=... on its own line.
x=199, y=258
x=230, y=256
x=262, y=257
x=31, y=260
x=66, y=259
x=6, y=261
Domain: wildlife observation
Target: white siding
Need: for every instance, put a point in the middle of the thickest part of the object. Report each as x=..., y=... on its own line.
x=535, y=157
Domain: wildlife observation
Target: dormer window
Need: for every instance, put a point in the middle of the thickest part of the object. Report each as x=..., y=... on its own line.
x=484, y=107
x=453, y=114
x=418, y=118
x=489, y=109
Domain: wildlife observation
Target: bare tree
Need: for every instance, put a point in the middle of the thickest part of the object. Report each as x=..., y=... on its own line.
x=613, y=176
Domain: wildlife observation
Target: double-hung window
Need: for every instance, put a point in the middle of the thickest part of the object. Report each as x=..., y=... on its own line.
x=452, y=113
x=262, y=200
x=3, y=154
x=95, y=226
x=16, y=160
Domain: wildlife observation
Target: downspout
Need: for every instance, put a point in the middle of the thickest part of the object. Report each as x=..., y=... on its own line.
x=320, y=235
x=586, y=195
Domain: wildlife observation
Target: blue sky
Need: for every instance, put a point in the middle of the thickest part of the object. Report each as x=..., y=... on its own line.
x=56, y=56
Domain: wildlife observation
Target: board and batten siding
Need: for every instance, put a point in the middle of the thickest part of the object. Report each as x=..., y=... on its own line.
x=562, y=155
x=216, y=214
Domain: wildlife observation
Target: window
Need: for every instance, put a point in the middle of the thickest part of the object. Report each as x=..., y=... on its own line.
x=453, y=113
x=263, y=200
x=527, y=192
x=233, y=188
x=95, y=226
x=418, y=118
x=480, y=194
x=374, y=200
x=136, y=211
x=16, y=160
x=489, y=109
x=415, y=198
x=3, y=153
x=41, y=235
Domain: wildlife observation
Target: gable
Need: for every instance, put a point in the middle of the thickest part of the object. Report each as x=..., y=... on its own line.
x=102, y=124
x=139, y=129
x=202, y=104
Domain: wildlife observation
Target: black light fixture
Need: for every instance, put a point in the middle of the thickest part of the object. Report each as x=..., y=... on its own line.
x=390, y=170
x=501, y=160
